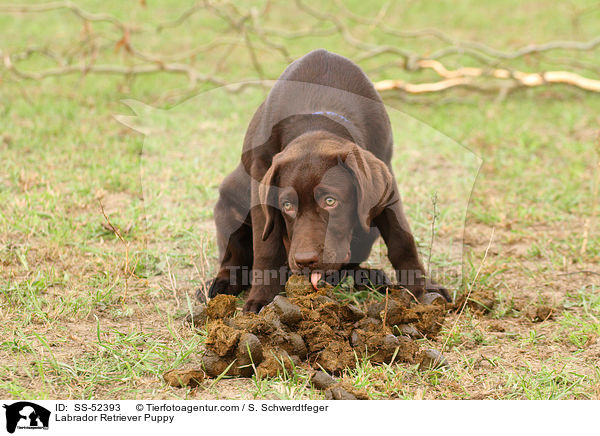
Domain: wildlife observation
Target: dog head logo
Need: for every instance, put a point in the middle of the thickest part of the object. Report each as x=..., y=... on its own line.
x=26, y=415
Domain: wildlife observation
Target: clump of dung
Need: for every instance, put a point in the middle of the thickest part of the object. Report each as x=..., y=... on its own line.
x=311, y=327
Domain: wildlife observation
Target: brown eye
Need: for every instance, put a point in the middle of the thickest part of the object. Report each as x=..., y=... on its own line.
x=330, y=202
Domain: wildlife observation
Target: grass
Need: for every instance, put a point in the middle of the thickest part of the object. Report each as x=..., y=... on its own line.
x=74, y=324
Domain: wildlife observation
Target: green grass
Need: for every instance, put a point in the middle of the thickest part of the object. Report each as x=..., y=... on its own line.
x=75, y=324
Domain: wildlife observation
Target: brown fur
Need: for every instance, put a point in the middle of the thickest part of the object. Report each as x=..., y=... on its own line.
x=321, y=137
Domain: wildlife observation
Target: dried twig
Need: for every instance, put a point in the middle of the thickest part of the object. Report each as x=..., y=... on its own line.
x=246, y=28
x=115, y=230
x=72, y=7
x=172, y=282
x=464, y=77
x=434, y=201
x=462, y=309
x=385, y=309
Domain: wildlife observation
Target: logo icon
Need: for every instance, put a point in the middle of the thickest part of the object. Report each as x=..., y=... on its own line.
x=26, y=415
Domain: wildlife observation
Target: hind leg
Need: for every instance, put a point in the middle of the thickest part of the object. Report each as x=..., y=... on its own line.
x=364, y=278
x=402, y=252
x=234, y=272
x=234, y=240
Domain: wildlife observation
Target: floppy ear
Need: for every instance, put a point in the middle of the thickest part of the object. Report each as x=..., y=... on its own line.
x=267, y=193
x=375, y=185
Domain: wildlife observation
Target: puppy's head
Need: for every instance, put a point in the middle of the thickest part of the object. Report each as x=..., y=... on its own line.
x=325, y=189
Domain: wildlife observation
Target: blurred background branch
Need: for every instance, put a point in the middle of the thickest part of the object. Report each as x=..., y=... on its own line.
x=130, y=47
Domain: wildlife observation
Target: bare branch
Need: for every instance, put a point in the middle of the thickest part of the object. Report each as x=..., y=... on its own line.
x=76, y=10
x=518, y=79
x=247, y=32
x=183, y=17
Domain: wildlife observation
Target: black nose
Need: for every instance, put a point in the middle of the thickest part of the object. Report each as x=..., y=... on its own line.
x=306, y=259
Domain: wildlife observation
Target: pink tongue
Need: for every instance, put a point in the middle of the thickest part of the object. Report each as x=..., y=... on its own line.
x=314, y=278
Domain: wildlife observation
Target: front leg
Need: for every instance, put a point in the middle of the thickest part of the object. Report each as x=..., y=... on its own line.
x=269, y=271
x=403, y=254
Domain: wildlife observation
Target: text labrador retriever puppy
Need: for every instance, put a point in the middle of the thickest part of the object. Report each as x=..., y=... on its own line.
x=314, y=187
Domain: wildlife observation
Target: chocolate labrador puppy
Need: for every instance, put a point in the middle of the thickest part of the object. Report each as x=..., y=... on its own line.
x=314, y=187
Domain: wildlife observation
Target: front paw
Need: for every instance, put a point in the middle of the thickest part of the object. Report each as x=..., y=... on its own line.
x=439, y=289
x=371, y=279
x=258, y=298
x=214, y=287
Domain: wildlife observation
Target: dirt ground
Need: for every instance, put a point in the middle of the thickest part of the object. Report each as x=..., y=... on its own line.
x=540, y=341
x=87, y=314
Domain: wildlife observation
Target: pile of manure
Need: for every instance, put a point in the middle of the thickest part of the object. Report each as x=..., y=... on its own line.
x=312, y=327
